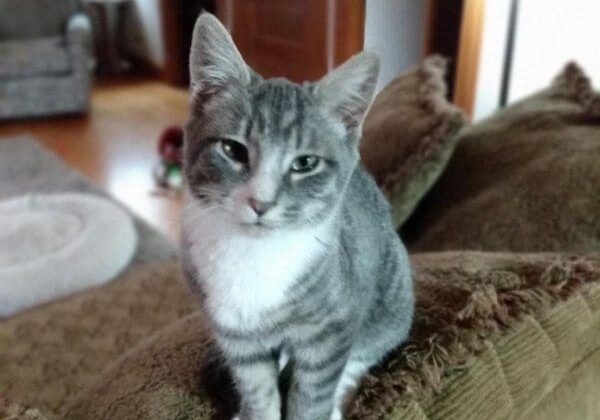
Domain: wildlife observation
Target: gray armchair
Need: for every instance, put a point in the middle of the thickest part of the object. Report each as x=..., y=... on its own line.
x=45, y=58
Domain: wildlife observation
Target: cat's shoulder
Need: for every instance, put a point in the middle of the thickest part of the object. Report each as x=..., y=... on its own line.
x=364, y=193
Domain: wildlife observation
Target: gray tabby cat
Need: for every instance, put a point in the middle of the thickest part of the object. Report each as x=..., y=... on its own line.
x=286, y=240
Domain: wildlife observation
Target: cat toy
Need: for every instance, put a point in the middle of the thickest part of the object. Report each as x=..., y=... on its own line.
x=167, y=173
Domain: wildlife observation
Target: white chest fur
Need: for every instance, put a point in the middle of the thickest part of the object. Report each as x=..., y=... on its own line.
x=245, y=275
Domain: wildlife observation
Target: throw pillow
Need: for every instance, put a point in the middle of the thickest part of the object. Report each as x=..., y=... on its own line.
x=409, y=135
x=527, y=179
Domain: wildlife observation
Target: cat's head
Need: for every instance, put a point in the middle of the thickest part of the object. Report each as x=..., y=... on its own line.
x=268, y=153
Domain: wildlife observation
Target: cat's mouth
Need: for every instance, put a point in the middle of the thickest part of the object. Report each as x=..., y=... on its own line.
x=257, y=227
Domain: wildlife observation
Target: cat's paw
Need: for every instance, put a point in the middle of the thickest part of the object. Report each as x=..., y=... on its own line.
x=236, y=417
x=336, y=415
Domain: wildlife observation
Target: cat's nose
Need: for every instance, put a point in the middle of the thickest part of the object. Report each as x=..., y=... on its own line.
x=260, y=207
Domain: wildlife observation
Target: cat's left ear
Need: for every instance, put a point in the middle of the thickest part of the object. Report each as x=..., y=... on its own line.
x=347, y=91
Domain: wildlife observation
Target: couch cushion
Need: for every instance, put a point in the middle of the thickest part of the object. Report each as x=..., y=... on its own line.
x=409, y=134
x=571, y=399
x=493, y=335
x=52, y=352
x=527, y=179
x=34, y=57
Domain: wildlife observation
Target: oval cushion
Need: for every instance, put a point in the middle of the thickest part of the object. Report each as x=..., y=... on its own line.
x=52, y=245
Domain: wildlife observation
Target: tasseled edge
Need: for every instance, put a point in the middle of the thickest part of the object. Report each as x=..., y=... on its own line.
x=452, y=322
x=575, y=84
x=12, y=411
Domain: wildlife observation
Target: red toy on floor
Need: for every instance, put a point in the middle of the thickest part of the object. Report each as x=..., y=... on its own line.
x=167, y=173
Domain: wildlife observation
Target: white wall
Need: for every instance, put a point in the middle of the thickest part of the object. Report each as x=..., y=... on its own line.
x=395, y=30
x=493, y=51
x=151, y=46
x=550, y=33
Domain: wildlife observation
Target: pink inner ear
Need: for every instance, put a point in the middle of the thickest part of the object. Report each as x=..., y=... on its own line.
x=351, y=114
x=203, y=93
x=199, y=97
x=348, y=90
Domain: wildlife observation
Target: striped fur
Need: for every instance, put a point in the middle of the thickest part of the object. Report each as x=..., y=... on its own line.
x=320, y=278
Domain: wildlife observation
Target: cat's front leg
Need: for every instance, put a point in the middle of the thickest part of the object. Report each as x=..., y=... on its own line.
x=315, y=378
x=256, y=380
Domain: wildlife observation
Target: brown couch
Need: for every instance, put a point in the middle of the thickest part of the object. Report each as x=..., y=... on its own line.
x=506, y=331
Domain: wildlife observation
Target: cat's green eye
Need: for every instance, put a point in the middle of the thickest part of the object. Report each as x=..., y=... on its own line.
x=305, y=164
x=234, y=150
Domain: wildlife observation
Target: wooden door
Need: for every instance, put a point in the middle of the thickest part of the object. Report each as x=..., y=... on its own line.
x=178, y=18
x=296, y=39
x=455, y=30
x=443, y=29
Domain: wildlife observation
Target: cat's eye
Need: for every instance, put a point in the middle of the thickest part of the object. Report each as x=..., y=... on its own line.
x=234, y=150
x=305, y=164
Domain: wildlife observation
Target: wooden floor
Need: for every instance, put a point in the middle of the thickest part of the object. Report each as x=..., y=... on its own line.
x=115, y=145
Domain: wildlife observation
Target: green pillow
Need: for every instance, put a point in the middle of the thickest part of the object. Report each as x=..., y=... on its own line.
x=409, y=135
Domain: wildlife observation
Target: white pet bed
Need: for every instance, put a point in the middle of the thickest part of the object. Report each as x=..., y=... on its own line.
x=52, y=245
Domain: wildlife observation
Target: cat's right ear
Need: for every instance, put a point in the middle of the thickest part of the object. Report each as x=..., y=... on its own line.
x=215, y=62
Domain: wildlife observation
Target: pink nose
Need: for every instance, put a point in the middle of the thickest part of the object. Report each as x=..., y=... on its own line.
x=260, y=207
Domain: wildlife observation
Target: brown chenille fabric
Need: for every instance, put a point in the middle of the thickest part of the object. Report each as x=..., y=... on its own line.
x=409, y=134
x=15, y=411
x=494, y=334
x=52, y=352
x=527, y=179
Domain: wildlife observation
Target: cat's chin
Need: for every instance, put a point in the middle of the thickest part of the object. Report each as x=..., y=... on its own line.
x=257, y=228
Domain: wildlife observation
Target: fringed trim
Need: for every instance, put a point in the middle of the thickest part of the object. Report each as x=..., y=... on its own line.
x=452, y=322
x=575, y=84
x=13, y=411
x=433, y=86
